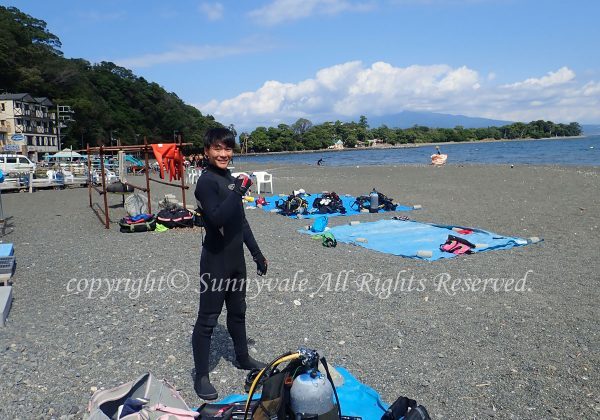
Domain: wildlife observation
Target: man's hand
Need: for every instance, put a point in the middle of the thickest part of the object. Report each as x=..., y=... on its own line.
x=261, y=265
x=242, y=184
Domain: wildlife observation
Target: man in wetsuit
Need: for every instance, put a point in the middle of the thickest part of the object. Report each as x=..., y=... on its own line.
x=222, y=263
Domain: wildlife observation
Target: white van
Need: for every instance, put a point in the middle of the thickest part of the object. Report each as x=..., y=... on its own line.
x=15, y=163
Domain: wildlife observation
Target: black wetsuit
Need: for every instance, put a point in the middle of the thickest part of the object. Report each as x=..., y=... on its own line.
x=222, y=259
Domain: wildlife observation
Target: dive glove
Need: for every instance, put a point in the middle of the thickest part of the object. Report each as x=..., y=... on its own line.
x=261, y=265
x=242, y=184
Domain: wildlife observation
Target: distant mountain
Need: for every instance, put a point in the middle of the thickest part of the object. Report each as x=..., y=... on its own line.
x=407, y=119
x=590, y=129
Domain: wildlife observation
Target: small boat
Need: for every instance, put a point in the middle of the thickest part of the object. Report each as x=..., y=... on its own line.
x=438, y=159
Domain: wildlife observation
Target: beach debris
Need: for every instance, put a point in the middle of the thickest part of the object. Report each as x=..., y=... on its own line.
x=297, y=302
x=354, y=223
x=417, y=207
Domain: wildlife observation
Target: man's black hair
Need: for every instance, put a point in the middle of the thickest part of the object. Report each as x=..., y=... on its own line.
x=218, y=134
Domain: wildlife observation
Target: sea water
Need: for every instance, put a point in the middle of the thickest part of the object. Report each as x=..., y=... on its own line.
x=574, y=151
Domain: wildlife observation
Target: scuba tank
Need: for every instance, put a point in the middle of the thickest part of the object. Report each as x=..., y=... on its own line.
x=374, y=199
x=311, y=395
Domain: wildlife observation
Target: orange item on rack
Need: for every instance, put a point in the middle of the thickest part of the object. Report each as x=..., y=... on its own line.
x=169, y=158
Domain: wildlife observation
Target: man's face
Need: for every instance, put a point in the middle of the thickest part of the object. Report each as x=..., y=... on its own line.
x=219, y=155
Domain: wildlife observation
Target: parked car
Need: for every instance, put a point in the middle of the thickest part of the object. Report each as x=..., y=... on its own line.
x=11, y=163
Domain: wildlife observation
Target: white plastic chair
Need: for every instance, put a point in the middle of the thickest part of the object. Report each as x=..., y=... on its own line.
x=264, y=178
x=69, y=177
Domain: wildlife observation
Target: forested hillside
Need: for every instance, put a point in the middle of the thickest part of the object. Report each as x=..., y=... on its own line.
x=107, y=99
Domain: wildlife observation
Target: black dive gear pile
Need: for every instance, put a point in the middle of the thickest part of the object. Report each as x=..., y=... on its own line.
x=275, y=401
x=293, y=204
x=384, y=203
x=329, y=203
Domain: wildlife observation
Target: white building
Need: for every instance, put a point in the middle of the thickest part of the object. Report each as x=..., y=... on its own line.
x=27, y=125
x=338, y=145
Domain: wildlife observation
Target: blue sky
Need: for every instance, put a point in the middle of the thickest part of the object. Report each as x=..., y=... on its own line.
x=269, y=61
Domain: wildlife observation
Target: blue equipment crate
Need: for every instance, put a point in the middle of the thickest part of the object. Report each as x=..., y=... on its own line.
x=6, y=250
x=7, y=265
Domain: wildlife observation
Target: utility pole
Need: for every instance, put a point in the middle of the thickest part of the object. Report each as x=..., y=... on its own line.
x=58, y=124
x=113, y=139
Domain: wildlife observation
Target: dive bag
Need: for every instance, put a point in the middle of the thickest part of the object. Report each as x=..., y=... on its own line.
x=139, y=223
x=174, y=218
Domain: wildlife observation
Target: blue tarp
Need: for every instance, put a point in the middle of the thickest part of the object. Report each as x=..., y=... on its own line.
x=356, y=399
x=347, y=200
x=407, y=238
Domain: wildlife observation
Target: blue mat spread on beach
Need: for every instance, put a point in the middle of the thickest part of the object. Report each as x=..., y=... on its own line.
x=418, y=240
x=356, y=398
x=347, y=200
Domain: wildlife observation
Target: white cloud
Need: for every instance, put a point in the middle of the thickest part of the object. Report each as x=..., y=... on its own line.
x=213, y=11
x=351, y=89
x=279, y=11
x=189, y=53
x=563, y=75
x=591, y=89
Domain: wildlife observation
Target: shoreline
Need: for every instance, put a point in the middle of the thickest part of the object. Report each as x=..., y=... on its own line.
x=404, y=146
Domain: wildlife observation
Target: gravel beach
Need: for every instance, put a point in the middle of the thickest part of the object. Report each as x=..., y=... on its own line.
x=464, y=354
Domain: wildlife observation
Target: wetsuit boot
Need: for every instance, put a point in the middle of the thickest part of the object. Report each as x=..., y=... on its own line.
x=204, y=389
x=236, y=325
x=246, y=362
